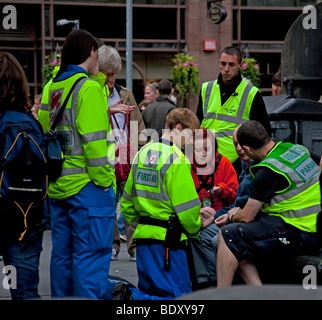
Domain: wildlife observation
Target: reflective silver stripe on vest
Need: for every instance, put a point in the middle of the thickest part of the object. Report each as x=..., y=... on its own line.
x=126, y=196
x=97, y=162
x=301, y=212
x=238, y=119
x=187, y=205
x=94, y=136
x=207, y=95
x=162, y=196
x=292, y=193
x=291, y=173
x=71, y=171
x=226, y=133
x=44, y=107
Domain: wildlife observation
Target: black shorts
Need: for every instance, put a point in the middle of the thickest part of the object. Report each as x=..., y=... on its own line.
x=267, y=235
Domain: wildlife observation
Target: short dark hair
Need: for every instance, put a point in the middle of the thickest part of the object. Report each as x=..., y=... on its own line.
x=164, y=86
x=252, y=134
x=231, y=51
x=77, y=48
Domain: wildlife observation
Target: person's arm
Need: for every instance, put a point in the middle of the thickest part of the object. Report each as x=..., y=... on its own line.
x=247, y=214
x=258, y=112
x=183, y=195
x=226, y=180
x=120, y=107
x=92, y=124
x=263, y=188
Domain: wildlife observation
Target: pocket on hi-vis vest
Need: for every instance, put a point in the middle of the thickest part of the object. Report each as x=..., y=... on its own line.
x=147, y=177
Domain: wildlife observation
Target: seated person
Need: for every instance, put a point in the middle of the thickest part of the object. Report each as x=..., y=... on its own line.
x=216, y=184
x=213, y=174
x=280, y=215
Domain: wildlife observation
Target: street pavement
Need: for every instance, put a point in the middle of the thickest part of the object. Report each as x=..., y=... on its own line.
x=122, y=267
x=126, y=269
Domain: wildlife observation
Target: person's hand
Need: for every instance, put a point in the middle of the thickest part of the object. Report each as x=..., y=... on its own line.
x=232, y=212
x=208, y=210
x=217, y=190
x=207, y=216
x=222, y=220
x=119, y=107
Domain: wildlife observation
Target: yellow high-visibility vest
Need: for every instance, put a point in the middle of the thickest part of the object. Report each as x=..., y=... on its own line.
x=222, y=120
x=84, y=128
x=300, y=202
x=159, y=186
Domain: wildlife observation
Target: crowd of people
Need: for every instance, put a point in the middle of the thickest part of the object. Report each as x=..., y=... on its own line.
x=208, y=193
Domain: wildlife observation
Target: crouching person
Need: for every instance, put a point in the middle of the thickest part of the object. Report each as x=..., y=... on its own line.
x=160, y=199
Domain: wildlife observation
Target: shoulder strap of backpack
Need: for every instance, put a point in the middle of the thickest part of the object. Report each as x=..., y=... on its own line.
x=62, y=109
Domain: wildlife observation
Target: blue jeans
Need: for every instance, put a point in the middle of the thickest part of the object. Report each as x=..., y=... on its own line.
x=82, y=237
x=204, y=254
x=26, y=264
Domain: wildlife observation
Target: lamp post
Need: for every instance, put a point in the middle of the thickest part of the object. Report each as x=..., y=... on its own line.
x=129, y=54
x=63, y=22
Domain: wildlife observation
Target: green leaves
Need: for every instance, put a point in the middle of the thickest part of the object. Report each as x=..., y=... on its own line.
x=250, y=70
x=185, y=75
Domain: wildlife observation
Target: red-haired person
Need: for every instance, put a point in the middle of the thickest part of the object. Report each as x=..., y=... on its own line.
x=216, y=183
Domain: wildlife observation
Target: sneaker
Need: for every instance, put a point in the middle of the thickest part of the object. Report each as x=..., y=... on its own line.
x=132, y=257
x=121, y=291
x=114, y=255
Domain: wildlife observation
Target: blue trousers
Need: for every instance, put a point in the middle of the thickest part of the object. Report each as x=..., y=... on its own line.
x=155, y=282
x=82, y=238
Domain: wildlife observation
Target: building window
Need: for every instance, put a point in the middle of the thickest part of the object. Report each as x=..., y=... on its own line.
x=259, y=29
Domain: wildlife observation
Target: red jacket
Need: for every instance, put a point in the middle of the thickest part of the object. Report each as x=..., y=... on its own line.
x=224, y=176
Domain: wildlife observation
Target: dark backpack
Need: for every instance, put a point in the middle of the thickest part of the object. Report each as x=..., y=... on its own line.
x=23, y=175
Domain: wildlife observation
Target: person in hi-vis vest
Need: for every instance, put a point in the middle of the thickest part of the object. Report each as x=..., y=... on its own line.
x=82, y=198
x=279, y=219
x=160, y=199
x=229, y=101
